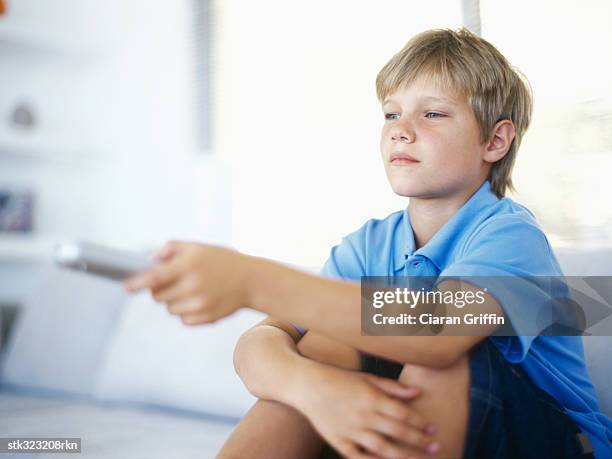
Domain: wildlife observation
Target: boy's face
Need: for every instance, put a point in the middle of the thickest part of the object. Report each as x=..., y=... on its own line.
x=442, y=136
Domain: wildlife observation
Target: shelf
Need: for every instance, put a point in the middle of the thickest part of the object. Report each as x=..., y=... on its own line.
x=30, y=40
x=27, y=146
x=26, y=247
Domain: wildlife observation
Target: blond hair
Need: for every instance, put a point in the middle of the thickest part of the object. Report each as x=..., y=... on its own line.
x=472, y=67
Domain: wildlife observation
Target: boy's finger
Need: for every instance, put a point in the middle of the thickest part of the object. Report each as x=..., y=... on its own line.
x=375, y=443
x=400, y=411
x=162, y=256
x=168, y=250
x=182, y=306
x=171, y=291
x=199, y=318
x=171, y=248
x=357, y=453
x=352, y=450
x=401, y=433
x=393, y=387
x=152, y=279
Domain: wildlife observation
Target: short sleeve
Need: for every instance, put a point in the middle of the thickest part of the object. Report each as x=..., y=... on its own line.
x=518, y=250
x=345, y=262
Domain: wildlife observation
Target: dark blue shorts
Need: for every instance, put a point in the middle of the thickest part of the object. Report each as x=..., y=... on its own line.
x=509, y=416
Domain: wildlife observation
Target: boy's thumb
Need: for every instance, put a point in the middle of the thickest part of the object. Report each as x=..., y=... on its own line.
x=162, y=253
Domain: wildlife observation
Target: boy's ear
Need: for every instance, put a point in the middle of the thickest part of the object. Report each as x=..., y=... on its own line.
x=501, y=139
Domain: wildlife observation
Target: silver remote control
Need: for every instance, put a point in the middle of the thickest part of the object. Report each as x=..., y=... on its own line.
x=103, y=261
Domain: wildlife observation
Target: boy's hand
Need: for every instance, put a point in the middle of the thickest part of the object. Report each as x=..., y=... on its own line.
x=200, y=283
x=362, y=415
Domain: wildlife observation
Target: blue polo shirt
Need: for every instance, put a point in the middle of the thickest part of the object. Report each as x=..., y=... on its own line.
x=488, y=236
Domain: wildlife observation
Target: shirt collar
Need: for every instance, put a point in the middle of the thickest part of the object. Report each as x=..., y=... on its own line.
x=439, y=247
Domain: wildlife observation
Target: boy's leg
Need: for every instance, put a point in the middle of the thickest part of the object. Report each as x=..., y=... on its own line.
x=444, y=401
x=274, y=430
x=484, y=406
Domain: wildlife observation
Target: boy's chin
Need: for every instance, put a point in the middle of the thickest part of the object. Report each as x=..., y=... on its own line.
x=406, y=190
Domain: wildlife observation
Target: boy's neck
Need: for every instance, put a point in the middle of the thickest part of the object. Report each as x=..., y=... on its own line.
x=428, y=215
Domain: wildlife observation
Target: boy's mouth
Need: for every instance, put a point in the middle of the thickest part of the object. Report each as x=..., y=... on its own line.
x=402, y=159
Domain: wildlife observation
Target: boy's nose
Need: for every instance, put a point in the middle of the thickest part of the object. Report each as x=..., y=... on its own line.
x=403, y=136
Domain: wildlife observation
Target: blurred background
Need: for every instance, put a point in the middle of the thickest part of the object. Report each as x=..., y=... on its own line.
x=255, y=124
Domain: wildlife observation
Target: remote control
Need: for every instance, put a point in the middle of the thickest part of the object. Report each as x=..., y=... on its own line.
x=103, y=261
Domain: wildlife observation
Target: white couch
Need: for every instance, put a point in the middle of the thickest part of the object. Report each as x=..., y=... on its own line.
x=85, y=360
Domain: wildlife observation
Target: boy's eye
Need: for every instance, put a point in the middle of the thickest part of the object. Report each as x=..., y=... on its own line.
x=438, y=115
x=389, y=116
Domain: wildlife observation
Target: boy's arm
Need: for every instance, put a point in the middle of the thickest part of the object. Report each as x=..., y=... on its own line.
x=273, y=429
x=203, y=283
x=279, y=348
x=351, y=410
x=333, y=308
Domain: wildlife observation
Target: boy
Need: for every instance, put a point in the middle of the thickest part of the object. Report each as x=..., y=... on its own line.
x=454, y=115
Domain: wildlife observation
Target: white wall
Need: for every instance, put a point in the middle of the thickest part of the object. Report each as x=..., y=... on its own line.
x=295, y=161
x=114, y=155
x=298, y=120
x=564, y=162
x=156, y=185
